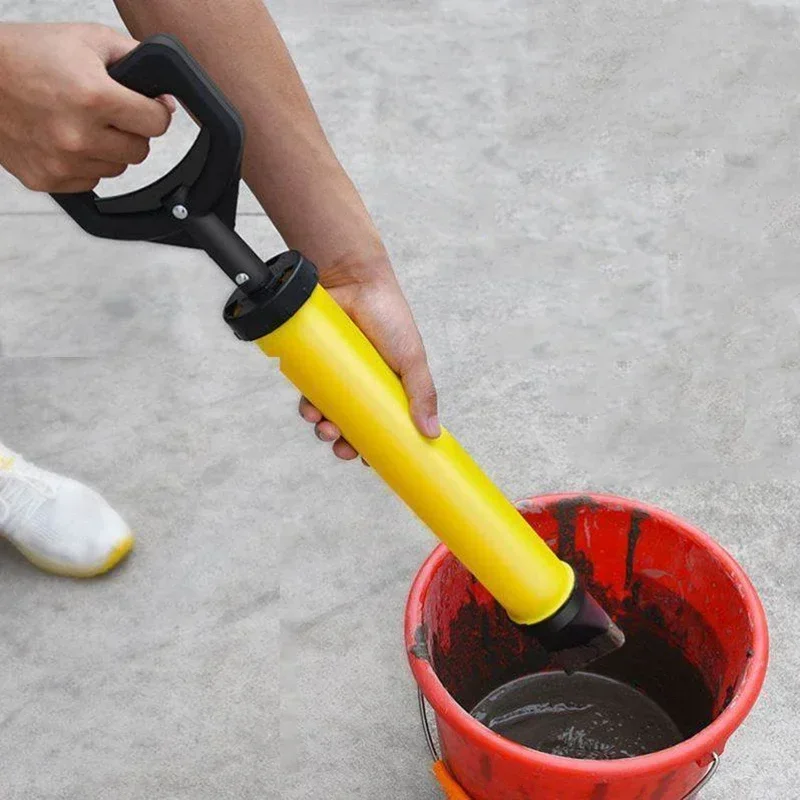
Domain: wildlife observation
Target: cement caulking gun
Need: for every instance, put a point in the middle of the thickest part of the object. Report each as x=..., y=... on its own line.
x=281, y=306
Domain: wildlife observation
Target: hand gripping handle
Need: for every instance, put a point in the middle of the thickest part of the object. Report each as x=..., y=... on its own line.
x=205, y=179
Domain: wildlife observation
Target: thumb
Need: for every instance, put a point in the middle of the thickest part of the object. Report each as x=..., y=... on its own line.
x=111, y=45
x=418, y=383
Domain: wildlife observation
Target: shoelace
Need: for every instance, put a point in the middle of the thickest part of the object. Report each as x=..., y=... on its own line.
x=22, y=493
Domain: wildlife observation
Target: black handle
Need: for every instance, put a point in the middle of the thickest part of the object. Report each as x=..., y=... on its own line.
x=205, y=180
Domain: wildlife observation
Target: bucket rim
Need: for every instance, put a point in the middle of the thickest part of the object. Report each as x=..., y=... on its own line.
x=699, y=748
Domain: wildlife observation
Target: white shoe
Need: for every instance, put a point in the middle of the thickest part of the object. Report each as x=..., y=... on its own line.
x=58, y=524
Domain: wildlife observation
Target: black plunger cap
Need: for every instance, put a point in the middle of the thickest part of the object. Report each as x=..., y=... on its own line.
x=293, y=279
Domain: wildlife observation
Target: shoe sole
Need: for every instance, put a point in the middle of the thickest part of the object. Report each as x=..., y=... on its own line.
x=117, y=555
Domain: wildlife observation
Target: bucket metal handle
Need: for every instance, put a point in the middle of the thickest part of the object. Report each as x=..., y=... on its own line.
x=426, y=728
x=712, y=770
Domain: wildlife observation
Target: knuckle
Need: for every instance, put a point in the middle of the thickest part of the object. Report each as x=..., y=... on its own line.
x=414, y=358
x=406, y=352
x=70, y=140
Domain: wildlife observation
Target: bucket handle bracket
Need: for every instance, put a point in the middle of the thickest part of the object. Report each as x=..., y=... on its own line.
x=429, y=740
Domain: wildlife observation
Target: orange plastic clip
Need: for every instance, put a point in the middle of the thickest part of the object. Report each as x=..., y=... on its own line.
x=451, y=788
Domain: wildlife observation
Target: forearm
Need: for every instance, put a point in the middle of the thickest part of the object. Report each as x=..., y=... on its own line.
x=288, y=162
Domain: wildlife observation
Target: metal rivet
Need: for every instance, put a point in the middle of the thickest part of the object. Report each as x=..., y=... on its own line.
x=241, y=278
x=180, y=212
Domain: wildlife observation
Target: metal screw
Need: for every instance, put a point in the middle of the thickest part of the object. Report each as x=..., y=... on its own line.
x=241, y=278
x=180, y=212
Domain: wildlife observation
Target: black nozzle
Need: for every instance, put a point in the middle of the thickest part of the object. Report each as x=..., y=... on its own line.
x=578, y=633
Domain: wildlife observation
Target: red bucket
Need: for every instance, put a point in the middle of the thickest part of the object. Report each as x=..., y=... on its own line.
x=642, y=564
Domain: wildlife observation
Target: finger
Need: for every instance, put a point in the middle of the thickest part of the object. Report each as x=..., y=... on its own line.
x=327, y=431
x=344, y=450
x=95, y=168
x=169, y=101
x=128, y=110
x=111, y=45
x=391, y=328
x=308, y=412
x=418, y=383
x=135, y=113
x=85, y=174
x=120, y=147
x=73, y=185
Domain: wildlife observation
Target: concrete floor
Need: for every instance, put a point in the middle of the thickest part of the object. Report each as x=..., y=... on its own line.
x=595, y=210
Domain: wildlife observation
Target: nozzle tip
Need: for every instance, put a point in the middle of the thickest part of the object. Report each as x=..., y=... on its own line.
x=578, y=633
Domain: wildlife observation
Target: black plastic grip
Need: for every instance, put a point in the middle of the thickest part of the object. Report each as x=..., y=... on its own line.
x=207, y=177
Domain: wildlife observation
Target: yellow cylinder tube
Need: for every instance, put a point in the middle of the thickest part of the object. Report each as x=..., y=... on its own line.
x=324, y=354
